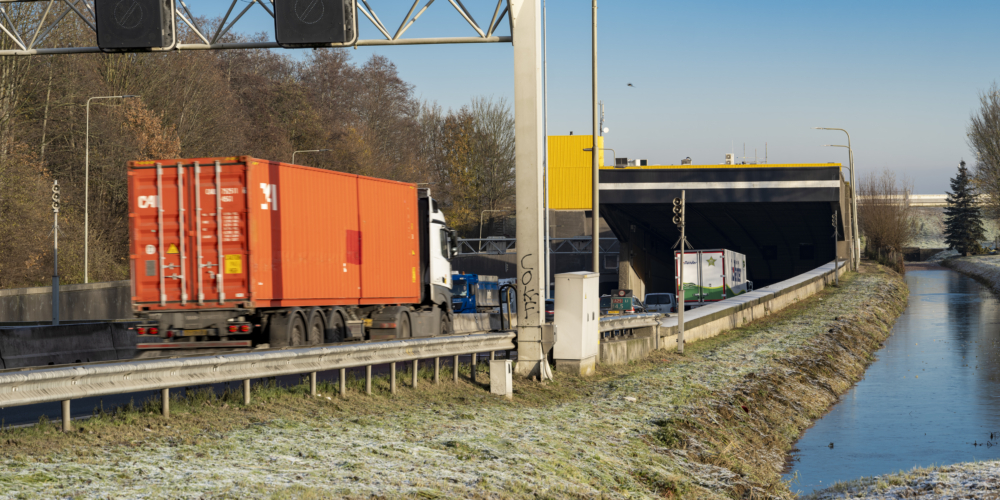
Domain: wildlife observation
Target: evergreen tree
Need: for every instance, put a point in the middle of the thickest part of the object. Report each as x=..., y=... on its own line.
x=963, y=225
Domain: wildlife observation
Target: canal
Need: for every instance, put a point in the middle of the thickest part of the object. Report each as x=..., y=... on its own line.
x=931, y=398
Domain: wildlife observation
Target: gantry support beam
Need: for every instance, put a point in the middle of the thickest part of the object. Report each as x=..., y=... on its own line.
x=526, y=16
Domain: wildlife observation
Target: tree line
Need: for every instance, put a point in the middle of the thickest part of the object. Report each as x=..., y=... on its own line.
x=260, y=103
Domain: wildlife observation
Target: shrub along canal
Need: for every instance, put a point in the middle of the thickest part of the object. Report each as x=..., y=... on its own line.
x=932, y=398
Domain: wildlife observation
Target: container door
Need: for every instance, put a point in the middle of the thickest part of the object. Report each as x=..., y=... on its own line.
x=158, y=252
x=712, y=276
x=217, y=246
x=691, y=290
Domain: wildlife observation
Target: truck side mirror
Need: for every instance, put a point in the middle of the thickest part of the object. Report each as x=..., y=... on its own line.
x=453, y=242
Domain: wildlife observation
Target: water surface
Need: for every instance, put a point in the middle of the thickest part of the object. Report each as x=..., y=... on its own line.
x=931, y=398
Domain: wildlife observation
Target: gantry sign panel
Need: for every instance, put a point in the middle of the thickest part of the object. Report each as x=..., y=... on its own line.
x=133, y=24
x=157, y=25
x=314, y=23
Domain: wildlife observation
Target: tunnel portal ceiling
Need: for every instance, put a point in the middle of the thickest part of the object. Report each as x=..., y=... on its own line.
x=784, y=231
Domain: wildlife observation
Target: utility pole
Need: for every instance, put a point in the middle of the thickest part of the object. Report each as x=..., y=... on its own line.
x=55, y=252
x=595, y=154
x=679, y=209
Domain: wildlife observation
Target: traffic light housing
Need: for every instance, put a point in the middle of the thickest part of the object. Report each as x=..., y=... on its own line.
x=678, y=212
x=133, y=25
x=315, y=23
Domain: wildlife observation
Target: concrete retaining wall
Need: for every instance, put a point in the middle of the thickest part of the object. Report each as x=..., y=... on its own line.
x=709, y=321
x=91, y=302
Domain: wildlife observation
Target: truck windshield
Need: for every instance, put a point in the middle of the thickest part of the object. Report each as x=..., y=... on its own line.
x=458, y=289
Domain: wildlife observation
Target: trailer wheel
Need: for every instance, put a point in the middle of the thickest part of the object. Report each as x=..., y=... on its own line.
x=336, y=328
x=315, y=327
x=286, y=328
x=296, y=330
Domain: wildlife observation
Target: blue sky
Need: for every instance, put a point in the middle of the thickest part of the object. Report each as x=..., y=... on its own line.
x=902, y=77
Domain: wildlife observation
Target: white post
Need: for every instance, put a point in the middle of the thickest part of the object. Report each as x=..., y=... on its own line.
x=527, y=35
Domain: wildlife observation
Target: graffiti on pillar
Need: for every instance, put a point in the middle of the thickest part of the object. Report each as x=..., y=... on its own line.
x=529, y=296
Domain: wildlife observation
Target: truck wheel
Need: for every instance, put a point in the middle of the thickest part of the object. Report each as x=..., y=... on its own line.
x=446, y=328
x=336, y=328
x=315, y=326
x=403, y=326
x=296, y=330
x=286, y=328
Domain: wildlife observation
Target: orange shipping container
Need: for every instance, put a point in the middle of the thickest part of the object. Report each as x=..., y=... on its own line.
x=243, y=232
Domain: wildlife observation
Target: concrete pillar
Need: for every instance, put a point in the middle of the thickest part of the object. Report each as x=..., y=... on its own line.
x=437, y=370
x=368, y=380
x=343, y=382
x=312, y=384
x=416, y=369
x=246, y=392
x=633, y=261
x=526, y=28
x=392, y=378
x=454, y=370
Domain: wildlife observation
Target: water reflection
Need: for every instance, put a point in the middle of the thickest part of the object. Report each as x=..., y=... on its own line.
x=931, y=395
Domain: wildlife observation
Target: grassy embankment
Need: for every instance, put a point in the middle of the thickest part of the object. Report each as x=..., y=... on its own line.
x=982, y=268
x=966, y=480
x=714, y=423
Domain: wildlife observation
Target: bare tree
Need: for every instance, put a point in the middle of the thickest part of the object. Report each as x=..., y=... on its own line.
x=983, y=136
x=885, y=216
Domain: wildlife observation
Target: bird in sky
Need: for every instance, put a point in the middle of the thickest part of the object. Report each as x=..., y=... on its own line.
x=630, y=85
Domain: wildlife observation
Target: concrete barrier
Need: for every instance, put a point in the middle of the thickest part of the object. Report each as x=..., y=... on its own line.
x=84, y=302
x=56, y=345
x=711, y=320
x=621, y=350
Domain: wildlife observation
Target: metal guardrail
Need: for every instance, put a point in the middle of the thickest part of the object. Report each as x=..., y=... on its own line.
x=631, y=321
x=501, y=246
x=66, y=383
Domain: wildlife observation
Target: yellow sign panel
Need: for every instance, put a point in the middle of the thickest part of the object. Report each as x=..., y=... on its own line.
x=414, y=275
x=234, y=264
x=172, y=248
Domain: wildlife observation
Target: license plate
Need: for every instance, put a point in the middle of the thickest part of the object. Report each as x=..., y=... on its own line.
x=196, y=333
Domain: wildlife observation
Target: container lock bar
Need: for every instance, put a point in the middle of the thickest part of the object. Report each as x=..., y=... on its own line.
x=159, y=231
x=197, y=211
x=180, y=230
x=218, y=228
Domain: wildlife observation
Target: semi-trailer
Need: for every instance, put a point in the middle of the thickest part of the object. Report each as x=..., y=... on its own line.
x=240, y=251
x=711, y=275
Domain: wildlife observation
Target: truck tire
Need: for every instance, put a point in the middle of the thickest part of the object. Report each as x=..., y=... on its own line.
x=287, y=328
x=446, y=328
x=403, y=326
x=336, y=327
x=296, y=329
x=315, y=326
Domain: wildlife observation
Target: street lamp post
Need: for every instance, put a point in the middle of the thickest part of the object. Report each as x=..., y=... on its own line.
x=851, y=176
x=308, y=151
x=854, y=196
x=86, y=188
